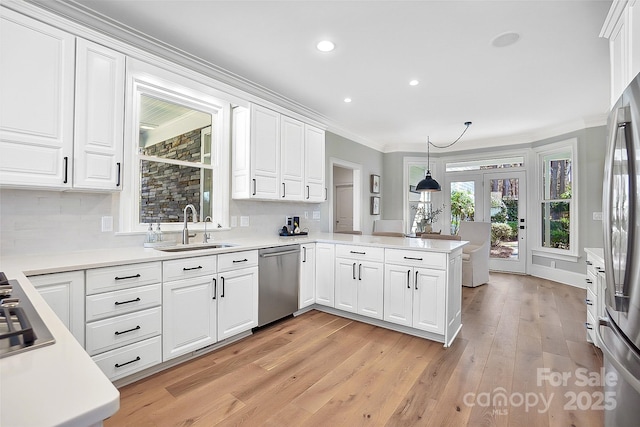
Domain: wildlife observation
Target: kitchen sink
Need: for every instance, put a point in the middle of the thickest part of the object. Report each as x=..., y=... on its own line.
x=194, y=247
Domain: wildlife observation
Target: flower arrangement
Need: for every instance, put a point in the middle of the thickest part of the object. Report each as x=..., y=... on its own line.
x=427, y=217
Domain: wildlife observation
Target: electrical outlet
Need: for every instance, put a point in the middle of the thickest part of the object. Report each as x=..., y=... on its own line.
x=244, y=221
x=234, y=221
x=553, y=264
x=316, y=214
x=597, y=216
x=107, y=223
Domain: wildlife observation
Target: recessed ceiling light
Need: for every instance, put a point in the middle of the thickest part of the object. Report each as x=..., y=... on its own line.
x=347, y=100
x=325, y=46
x=414, y=83
x=505, y=39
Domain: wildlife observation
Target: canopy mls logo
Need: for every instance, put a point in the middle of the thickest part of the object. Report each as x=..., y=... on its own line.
x=500, y=400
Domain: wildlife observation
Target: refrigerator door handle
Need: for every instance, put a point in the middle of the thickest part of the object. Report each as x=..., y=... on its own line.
x=617, y=291
x=608, y=354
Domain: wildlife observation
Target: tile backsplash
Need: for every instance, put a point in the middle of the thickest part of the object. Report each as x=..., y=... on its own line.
x=33, y=221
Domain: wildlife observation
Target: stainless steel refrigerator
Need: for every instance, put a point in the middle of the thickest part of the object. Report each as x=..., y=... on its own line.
x=619, y=331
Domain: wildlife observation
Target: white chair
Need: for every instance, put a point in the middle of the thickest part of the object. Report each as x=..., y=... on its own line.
x=475, y=255
x=388, y=226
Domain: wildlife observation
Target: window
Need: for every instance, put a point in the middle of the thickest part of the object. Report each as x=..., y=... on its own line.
x=178, y=139
x=557, y=201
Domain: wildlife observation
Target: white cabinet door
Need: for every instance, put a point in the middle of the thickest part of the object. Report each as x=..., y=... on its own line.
x=291, y=158
x=314, y=168
x=370, y=294
x=428, y=298
x=325, y=264
x=189, y=316
x=307, y=293
x=36, y=105
x=64, y=292
x=265, y=153
x=237, y=294
x=346, y=284
x=398, y=294
x=99, y=117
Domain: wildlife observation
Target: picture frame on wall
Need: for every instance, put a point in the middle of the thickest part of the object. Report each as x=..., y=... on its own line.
x=375, y=184
x=375, y=205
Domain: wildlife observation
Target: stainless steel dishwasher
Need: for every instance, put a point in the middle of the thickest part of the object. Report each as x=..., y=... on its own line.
x=278, y=282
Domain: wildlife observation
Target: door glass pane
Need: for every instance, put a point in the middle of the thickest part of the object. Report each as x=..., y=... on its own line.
x=463, y=205
x=504, y=218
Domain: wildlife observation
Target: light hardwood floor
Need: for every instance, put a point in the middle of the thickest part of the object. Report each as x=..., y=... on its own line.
x=322, y=370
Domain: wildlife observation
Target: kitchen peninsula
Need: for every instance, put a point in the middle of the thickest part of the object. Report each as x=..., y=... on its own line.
x=406, y=284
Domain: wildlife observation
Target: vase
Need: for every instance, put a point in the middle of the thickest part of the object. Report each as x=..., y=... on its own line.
x=428, y=228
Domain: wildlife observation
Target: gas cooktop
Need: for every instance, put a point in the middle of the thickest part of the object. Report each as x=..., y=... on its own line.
x=21, y=328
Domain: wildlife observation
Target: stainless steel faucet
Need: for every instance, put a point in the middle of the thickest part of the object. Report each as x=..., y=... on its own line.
x=185, y=230
x=206, y=237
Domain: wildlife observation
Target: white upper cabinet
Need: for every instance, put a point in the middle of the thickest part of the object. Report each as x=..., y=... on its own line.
x=276, y=157
x=292, y=157
x=49, y=85
x=622, y=28
x=36, y=106
x=314, y=164
x=98, y=136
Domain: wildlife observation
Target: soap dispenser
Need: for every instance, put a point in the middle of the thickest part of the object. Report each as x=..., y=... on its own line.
x=158, y=235
x=150, y=235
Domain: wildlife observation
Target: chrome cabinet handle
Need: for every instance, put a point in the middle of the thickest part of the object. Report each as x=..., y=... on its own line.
x=66, y=169
x=308, y=193
x=359, y=253
x=354, y=271
x=359, y=271
x=118, y=174
x=239, y=260
x=128, y=277
x=284, y=189
x=408, y=279
x=254, y=186
x=304, y=254
x=191, y=268
x=222, y=280
x=416, y=279
x=215, y=287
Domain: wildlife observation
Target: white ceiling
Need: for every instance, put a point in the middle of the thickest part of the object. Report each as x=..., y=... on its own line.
x=553, y=80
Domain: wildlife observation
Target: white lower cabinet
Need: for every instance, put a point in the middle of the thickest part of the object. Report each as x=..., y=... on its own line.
x=189, y=319
x=307, y=294
x=237, y=301
x=359, y=280
x=124, y=317
x=595, y=295
x=413, y=297
x=64, y=292
x=325, y=267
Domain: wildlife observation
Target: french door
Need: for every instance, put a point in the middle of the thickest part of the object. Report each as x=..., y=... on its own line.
x=499, y=198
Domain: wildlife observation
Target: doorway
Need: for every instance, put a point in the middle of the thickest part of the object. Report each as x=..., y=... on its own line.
x=498, y=198
x=346, y=195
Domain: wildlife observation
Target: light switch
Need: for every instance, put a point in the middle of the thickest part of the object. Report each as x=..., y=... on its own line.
x=244, y=221
x=316, y=214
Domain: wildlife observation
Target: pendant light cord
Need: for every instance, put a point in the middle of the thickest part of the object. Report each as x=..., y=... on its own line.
x=467, y=124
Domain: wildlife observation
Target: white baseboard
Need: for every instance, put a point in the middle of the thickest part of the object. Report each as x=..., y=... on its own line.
x=558, y=275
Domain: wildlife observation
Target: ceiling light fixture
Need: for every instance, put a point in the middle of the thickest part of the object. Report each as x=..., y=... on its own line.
x=325, y=46
x=428, y=184
x=347, y=100
x=414, y=83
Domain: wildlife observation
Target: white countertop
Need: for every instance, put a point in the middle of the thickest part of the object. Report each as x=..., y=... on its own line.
x=59, y=384
x=596, y=252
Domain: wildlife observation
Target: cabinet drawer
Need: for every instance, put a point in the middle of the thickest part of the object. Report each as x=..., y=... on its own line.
x=129, y=359
x=122, y=276
x=592, y=282
x=435, y=260
x=185, y=268
x=234, y=260
x=114, y=303
x=590, y=325
x=360, y=252
x=118, y=331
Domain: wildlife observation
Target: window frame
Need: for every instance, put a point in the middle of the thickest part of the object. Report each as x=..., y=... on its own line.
x=152, y=81
x=571, y=254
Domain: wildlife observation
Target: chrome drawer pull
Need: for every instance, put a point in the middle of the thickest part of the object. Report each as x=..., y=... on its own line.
x=127, y=302
x=191, y=268
x=415, y=259
x=128, y=277
x=128, y=330
x=240, y=260
x=120, y=365
x=359, y=253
